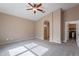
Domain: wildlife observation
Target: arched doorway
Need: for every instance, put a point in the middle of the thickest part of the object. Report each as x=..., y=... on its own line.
x=46, y=30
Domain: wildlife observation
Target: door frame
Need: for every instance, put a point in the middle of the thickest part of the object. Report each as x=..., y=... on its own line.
x=66, y=29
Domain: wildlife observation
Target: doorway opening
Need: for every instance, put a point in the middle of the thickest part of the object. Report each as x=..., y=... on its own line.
x=46, y=30
x=72, y=33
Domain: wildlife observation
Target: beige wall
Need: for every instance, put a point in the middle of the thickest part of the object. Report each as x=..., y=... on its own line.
x=72, y=14
x=15, y=28
x=40, y=27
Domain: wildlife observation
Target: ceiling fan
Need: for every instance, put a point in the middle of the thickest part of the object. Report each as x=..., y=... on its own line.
x=36, y=7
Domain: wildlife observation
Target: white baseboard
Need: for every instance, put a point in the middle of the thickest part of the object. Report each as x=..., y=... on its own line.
x=38, y=38
x=50, y=40
x=57, y=42
x=8, y=42
x=65, y=41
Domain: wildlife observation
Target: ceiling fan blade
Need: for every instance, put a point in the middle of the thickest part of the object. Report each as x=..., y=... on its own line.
x=29, y=9
x=41, y=10
x=39, y=5
x=34, y=5
x=34, y=12
x=30, y=4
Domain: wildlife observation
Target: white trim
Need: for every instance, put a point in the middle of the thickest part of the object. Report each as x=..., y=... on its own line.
x=50, y=40
x=17, y=40
x=57, y=42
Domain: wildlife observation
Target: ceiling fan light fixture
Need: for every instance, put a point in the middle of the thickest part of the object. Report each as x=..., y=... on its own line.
x=34, y=9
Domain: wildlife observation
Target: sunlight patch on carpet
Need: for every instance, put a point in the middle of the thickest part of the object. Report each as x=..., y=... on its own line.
x=31, y=45
x=31, y=49
x=28, y=53
x=40, y=50
x=17, y=50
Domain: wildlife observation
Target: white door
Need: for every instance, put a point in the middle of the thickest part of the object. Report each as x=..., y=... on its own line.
x=77, y=33
x=66, y=32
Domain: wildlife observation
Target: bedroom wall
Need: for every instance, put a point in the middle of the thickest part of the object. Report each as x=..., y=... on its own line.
x=13, y=28
x=72, y=14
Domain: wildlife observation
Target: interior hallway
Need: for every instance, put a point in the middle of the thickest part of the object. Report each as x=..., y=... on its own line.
x=41, y=47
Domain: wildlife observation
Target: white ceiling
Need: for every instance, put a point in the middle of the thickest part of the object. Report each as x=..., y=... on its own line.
x=19, y=9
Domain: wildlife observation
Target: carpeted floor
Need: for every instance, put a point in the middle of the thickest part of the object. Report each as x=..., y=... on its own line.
x=38, y=47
